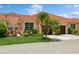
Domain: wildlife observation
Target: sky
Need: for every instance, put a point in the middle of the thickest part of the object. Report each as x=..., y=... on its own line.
x=65, y=10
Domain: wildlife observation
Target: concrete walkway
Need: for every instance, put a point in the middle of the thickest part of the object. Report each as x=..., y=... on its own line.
x=64, y=37
x=60, y=47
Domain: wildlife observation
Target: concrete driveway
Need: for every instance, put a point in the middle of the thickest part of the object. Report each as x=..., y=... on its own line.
x=59, y=47
x=64, y=37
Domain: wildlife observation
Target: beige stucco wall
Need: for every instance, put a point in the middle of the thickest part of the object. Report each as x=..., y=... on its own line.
x=77, y=27
x=14, y=20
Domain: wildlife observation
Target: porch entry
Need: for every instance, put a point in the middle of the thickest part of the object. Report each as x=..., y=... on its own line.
x=62, y=29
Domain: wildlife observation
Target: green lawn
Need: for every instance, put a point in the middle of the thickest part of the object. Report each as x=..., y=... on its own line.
x=19, y=40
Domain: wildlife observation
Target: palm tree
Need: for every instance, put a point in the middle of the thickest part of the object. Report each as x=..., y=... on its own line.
x=53, y=25
x=42, y=17
x=48, y=23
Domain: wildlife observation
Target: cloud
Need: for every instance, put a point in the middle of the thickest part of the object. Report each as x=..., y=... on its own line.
x=76, y=6
x=1, y=6
x=74, y=14
x=73, y=11
x=8, y=6
x=73, y=6
x=63, y=15
x=34, y=9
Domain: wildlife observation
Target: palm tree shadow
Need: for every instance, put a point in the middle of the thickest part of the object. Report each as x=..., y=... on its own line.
x=56, y=40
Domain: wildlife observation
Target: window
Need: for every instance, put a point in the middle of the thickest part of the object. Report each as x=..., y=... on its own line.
x=16, y=28
x=10, y=28
x=29, y=25
x=73, y=26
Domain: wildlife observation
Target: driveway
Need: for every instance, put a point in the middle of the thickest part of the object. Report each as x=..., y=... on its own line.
x=64, y=37
x=59, y=47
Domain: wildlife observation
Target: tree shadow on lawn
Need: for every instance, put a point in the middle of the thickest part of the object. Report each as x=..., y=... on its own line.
x=53, y=39
x=3, y=36
x=56, y=40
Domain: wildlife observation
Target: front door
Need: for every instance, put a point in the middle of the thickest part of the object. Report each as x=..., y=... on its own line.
x=62, y=30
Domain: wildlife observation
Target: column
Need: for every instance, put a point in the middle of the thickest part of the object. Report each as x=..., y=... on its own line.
x=66, y=29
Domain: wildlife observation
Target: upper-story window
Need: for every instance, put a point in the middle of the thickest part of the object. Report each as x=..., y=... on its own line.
x=29, y=26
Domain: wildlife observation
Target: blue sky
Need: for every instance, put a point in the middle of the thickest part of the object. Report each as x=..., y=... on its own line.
x=66, y=10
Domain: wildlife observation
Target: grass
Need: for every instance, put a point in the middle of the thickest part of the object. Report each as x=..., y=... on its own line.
x=19, y=40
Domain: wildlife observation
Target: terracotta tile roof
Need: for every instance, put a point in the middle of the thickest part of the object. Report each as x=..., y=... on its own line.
x=13, y=18
x=63, y=19
x=75, y=20
x=12, y=14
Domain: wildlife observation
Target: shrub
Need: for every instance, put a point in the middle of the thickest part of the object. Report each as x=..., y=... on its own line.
x=71, y=30
x=34, y=31
x=76, y=33
x=25, y=34
x=30, y=32
x=3, y=28
x=14, y=35
x=57, y=32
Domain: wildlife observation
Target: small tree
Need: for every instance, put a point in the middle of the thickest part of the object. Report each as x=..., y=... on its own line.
x=3, y=28
x=71, y=30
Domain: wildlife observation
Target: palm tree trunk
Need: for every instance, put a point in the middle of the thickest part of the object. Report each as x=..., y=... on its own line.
x=47, y=33
x=42, y=31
